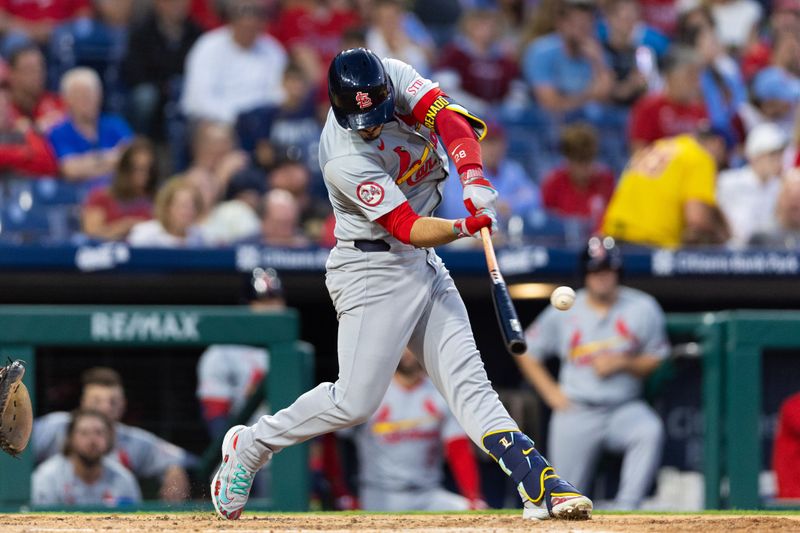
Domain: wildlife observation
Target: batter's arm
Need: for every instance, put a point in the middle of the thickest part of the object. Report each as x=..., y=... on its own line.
x=431, y=231
x=424, y=232
x=538, y=376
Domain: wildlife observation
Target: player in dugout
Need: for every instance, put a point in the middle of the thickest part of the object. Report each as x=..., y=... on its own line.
x=384, y=157
x=143, y=453
x=400, y=449
x=84, y=472
x=608, y=342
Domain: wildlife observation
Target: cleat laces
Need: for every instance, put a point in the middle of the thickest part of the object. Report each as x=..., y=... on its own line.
x=241, y=482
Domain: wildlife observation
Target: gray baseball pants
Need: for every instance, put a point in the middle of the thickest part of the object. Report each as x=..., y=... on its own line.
x=579, y=434
x=386, y=301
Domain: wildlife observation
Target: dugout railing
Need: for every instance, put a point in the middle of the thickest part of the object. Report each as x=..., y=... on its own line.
x=731, y=347
x=24, y=328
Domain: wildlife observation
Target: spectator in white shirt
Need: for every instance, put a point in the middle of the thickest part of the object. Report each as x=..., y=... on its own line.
x=236, y=218
x=748, y=195
x=787, y=212
x=178, y=206
x=735, y=21
x=234, y=68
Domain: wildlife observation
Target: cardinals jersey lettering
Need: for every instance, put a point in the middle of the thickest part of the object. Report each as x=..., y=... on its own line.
x=408, y=429
x=633, y=326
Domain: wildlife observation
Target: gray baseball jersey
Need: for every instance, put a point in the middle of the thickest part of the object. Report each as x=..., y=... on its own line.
x=366, y=180
x=229, y=372
x=386, y=301
x=605, y=413
x=145, y=454
x=401, y=445
x=54, y=483
x=633, y=326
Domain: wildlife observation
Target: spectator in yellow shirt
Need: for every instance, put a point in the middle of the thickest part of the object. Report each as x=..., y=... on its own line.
x=666, y=195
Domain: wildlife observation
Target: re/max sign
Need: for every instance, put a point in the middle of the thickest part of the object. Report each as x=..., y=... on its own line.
x=122, y=326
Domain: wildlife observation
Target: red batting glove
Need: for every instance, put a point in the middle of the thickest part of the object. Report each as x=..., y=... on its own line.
x=472, y=225
x=478, y=191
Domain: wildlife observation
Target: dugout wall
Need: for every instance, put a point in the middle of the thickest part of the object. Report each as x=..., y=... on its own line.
x=23, y=328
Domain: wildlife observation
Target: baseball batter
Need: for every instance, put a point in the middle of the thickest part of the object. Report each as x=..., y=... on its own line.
x=383, y=154
x=608, y=342
x=401, y=447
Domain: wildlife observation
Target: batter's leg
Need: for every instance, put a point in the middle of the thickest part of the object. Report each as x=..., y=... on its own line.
x=378, y=306
x=637, y=431
x=575, y=441
x=443, y=341
x=444, y=344
x=379, y=303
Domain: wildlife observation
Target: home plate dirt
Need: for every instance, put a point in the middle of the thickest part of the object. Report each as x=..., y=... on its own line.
x=339, y=522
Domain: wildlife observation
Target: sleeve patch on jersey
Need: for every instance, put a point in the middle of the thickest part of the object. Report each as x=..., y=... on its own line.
x=370, y=193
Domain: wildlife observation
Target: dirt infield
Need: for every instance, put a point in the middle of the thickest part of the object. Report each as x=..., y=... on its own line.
x=466, y=522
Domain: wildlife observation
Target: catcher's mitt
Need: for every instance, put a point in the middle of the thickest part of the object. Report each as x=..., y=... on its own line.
x=16, y=414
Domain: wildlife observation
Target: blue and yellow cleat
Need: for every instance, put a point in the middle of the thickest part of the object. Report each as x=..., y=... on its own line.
x=544, y=494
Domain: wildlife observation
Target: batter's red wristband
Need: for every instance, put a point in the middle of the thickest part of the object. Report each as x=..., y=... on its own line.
x=465, y=153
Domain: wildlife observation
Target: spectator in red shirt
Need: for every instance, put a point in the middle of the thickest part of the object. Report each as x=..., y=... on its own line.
x=677, y=109
x=661, y=14
x=476, y=62
x=785, y=19
x=207, y=13
x=29, y=99
x=315, y=25
x=786, y=453
x=22, y=149
x=109, y=213
x=580, y=187
x=37, y=18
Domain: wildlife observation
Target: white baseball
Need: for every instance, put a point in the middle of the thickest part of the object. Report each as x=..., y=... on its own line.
x=562, y=298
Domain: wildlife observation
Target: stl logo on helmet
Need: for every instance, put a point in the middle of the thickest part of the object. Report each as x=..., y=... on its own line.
x=363, y=100
x=370, y=193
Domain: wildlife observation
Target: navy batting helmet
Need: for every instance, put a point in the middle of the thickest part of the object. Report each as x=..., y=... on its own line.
x=361, y=92
x=601, y=253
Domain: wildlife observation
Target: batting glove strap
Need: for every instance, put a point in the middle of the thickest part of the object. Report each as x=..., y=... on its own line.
x=471, y=226
x=478, y=191
x=474, y=176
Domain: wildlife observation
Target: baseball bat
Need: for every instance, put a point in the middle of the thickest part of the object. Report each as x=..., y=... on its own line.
x=503, y=306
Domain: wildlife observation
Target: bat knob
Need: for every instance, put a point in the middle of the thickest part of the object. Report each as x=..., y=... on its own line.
x=517, y=347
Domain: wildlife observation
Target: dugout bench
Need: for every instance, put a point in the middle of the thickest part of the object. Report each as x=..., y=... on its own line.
x=23, y=328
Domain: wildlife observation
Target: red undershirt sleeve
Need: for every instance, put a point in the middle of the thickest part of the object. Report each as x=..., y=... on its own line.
x=464, y=467
x=399, y=221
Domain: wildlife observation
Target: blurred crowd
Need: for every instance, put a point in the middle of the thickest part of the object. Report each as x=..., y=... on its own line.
x=196, y=122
